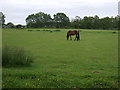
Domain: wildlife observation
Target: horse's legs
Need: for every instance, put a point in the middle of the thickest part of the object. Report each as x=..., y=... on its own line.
x=67, y=37
x=75, y=37
x=70, y=37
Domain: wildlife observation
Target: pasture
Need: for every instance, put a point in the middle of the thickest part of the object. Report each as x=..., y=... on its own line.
x=91, y=62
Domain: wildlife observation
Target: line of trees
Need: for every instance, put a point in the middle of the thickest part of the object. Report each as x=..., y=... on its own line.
x=61, y=20
x=95, y=22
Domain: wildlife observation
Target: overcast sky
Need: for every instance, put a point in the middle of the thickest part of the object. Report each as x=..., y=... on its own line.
x=16, y=11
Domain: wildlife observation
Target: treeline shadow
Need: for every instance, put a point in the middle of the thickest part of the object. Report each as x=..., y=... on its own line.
x=46, y=30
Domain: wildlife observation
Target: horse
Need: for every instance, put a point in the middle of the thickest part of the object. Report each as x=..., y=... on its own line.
x=73, y=32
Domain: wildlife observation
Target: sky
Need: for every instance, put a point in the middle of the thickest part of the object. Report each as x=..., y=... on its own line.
x=16, y=11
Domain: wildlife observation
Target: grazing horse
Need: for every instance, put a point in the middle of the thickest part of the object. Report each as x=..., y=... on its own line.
x=73, y=32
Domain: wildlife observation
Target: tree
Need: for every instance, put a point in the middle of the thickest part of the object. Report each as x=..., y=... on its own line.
x=19, y=26
x=116, y=22
x=10, y=25
x=61, y=20
x=96, y=23
x=39, y=20
x=76, y=23
x=2, y=18
x=88, y=22
x=105, y=23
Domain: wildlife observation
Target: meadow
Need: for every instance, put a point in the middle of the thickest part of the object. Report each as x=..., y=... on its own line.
x=91, y=62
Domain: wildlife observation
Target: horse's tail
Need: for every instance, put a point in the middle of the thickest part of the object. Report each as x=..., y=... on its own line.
x=78, y=36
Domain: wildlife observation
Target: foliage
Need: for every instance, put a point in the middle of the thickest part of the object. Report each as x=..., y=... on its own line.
x=14, y=56
x=38, y=20
x=96, y=23
x=19, y=26
x=42, y=20
x=10, y=25
x=60, y=20
x=2, y=18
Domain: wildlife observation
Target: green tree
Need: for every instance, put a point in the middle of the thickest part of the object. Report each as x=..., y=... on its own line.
x=10, y=25
x=105, y=23
x=19, y=26
x=76, y=23
x=96, y=22
x=2, y=18
x=115, y=22
x=39, y=20
x=88, y=22
x=61, y=20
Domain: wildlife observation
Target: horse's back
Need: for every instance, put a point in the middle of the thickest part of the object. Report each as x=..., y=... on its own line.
x=72, y=32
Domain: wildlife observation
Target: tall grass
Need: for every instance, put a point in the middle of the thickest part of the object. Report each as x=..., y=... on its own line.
x=15, y=56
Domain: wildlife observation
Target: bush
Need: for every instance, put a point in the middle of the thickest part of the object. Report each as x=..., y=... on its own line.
x=15, y=56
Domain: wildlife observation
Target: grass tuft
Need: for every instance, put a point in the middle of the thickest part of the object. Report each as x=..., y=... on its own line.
x=15, y=56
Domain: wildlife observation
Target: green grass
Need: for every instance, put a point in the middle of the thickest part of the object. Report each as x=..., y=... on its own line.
x=91, y=62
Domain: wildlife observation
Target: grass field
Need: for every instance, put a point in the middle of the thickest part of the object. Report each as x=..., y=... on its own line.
x=91, y=62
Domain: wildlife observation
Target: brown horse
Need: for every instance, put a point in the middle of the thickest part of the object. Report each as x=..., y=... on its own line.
x=73, y=32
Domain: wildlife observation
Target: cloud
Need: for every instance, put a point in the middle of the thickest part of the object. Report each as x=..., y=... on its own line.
x=17, y=10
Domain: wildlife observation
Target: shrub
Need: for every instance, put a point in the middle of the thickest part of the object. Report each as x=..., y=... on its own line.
x=15, y=56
